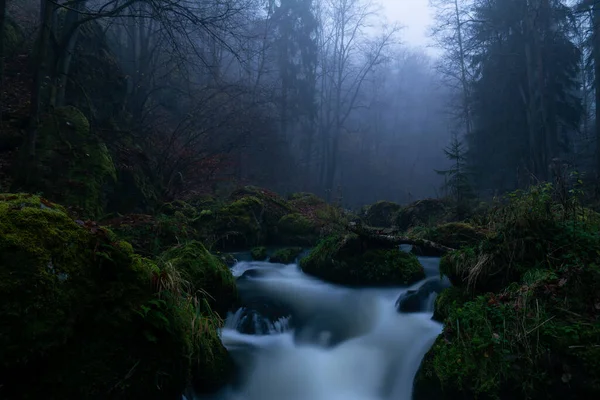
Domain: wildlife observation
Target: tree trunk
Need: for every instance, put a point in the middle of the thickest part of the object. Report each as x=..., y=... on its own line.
x=69, y=41
x=2, y=50
x=48, y=10
x=596, y=57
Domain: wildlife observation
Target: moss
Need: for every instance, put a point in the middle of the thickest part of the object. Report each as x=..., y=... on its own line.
x=382, y=214
x=286, y=256
x=524, y=321
x=81, y=318
x=455, y=235
x=448, y=299
x=426, y=212
x=303, y=198
x=296, y=229
x=259, y=253
x=238, y=225
x=152, y=235
x=343, y=259
x=204, y=272
x=73, y=166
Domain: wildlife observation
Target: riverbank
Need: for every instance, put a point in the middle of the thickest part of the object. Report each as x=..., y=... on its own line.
x=137, y=302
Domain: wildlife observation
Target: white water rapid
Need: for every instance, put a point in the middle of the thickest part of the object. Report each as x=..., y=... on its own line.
x=299, y=338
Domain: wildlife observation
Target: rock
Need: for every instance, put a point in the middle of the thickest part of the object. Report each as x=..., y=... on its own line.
x=415, y=300
x=259, y=253
x=76, y=298
x=422, y=212
x=285, y=256
x=455, y=235
x=239, y=224
x=523, y=318
x=345, y=259
x=382, y=214
x=72, y=165
x=296, y=229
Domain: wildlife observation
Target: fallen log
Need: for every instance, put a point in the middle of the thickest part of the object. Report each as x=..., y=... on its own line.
x=425, y=247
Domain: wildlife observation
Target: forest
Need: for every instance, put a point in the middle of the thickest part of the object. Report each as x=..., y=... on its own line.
x=148, y=148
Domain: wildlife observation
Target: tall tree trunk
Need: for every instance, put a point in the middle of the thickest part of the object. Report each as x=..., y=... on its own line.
x=68, y=44
x=2, y=50
x=596, y=57
x=41, y=62
x=463, y=71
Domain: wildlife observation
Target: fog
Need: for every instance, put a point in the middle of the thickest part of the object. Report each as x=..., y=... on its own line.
x=354, y=100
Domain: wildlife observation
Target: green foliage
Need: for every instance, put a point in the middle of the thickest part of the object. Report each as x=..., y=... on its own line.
x=285, y=256
x=520, y=320
x=259, y=253
x=205, y=273
x=71, y=296
x=342, y=259
x=382, y=214
x=457, y=180
x=152, y=235
x=110, y=323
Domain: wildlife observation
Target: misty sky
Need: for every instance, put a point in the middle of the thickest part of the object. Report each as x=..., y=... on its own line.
x=414, y=15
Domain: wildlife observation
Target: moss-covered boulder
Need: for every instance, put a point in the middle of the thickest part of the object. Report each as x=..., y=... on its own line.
x=296, y=229
x=151, y=235
x=258, y=253
x=523, y=319
x=348, y=260
x=238, y=225
x=285, y=256
x=455, y=235
x=382, y=214
x=202, y=270
x=73, y=166
x=426, y=212
x=83, y=316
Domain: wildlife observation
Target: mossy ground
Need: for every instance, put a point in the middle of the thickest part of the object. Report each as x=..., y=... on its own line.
x=344, y=259
x=523, y=319
x=86, y=317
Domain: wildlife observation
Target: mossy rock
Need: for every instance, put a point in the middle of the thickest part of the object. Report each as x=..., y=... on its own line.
x=525, y=317
x=274, y=205
x=382, y=214
x=80, y=312
x=152, y=235
x=73, y=166
x=204, y=271
x=455, y=235
x=259, y=253
x=304, y=198
x=521, y=344
x=238, y=225
x=285, y=256
x=426, y=212
x=296, y=229
x=345, y=259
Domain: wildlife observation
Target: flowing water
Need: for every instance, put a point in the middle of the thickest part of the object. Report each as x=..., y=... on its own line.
x=299, y=338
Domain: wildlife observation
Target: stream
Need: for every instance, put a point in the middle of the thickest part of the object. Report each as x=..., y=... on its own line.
x=299, y=338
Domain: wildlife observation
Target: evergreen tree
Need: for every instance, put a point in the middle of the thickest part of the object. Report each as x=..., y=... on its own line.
x=457, y=181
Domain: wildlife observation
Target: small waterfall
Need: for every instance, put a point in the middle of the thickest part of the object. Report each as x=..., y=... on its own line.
x=298, y=338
